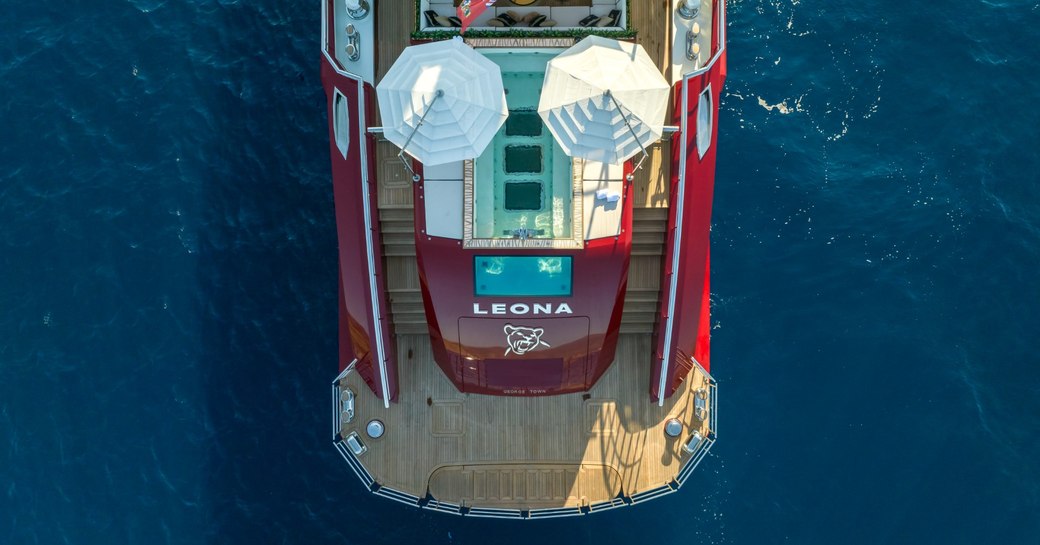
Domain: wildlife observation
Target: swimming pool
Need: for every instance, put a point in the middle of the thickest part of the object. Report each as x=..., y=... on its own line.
x=526, y=276
x=523, y=182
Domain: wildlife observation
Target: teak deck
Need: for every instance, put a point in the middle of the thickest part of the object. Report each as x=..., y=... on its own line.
x=525, y=452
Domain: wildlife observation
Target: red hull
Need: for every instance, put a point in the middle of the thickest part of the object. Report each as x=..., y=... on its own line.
x=364, y=327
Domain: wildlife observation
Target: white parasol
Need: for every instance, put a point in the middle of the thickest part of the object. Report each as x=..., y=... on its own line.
x=604, y=100
x=442, y=102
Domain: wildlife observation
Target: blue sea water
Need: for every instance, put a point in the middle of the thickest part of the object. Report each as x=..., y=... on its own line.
x=168, y=297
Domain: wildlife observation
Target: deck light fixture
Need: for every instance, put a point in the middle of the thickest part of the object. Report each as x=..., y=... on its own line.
x=375, y=429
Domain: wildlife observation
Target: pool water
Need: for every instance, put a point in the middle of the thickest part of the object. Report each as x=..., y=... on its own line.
x=524, y=123
x=523, y=196
x=527, y=276
x=522, y=182
x=522, y=159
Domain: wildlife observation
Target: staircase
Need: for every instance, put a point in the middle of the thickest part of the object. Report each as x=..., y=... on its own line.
x=644, y=272
x=397, y=227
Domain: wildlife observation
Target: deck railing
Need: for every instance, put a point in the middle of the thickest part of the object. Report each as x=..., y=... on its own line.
x=379, y=314
x=705, y=445
x=719, y=39
x=676, y=231
x=328, y=44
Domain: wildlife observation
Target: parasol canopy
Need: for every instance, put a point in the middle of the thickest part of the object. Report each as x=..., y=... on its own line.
x=604, y=100
x=442, y=102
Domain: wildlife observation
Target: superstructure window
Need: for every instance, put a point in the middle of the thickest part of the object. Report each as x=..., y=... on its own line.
x=341, y=122
x=704, y=111
x=522, y=276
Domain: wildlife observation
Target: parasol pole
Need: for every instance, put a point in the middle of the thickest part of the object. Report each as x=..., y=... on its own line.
x=630, y=129
x=400, y=154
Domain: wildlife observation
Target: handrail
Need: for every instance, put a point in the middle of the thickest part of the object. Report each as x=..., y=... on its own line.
x=721, y=30
x=666, y=360
x=377, y=324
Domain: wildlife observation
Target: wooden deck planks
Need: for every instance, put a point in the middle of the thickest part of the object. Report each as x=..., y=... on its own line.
x=525, y=486
x=613, y=439
x=651, y=19
x=395, y=182
x=650, y=184
x=395, y=21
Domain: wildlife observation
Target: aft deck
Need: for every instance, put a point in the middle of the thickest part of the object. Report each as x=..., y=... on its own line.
x=526, y=456
x=527, y=453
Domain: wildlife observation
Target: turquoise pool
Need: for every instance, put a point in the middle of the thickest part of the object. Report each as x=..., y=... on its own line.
x=522, y=183
x=527, y=276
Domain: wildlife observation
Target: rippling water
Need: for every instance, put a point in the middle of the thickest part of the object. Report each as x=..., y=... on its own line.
x=168, y=321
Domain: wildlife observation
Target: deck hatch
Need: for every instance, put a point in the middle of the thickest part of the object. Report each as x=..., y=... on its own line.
x=535, y=375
